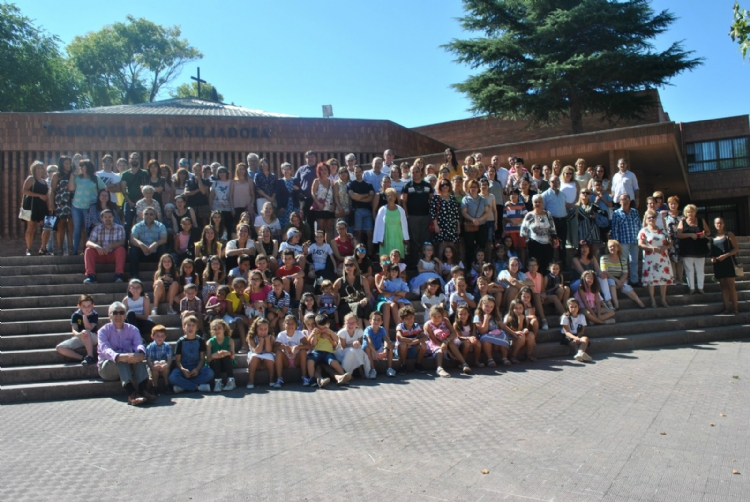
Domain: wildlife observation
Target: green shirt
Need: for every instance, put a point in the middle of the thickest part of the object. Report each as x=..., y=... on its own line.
x=134, y=182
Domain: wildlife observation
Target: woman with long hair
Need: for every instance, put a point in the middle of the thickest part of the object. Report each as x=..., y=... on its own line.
x=287, y=200
x=265, y=185
x=724, y=248
x=167, y=196
x=35, y=187
x=324, y=207
x=85, y=186
x=243, y=190
x=103, y=201
x=156, y=180
x=59, y=201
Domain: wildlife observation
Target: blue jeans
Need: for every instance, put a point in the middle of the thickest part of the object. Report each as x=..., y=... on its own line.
x=190, y=384
x=79, y=222
x=632, y=251
x=362, y=220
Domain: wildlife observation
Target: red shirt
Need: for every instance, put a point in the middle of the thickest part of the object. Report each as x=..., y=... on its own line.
x=283, y=272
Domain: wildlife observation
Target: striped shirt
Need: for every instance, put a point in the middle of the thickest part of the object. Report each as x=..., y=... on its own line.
x=276, y=303
x=514, y=213
x=105, y=237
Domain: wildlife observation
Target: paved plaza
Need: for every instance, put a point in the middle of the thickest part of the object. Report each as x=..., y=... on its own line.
x=668, y=424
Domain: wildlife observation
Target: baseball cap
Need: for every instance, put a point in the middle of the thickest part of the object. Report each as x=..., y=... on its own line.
x=184, y=162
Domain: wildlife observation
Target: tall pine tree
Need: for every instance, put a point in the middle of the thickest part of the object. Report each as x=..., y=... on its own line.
x=543, y=60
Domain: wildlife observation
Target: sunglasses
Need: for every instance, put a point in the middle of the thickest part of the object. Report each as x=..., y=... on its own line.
x=118, y=312
x=349, y=265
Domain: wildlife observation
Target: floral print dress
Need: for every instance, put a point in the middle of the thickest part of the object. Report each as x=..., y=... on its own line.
x=289, y=209
x=657, y=270
x=62, y=197
x=447, y=214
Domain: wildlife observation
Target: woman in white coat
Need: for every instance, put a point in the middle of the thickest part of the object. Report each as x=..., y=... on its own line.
x=391, y=230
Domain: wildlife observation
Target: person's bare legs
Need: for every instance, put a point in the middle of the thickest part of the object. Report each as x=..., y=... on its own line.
x=252, y=369
x=270, y=368
x=518, y=343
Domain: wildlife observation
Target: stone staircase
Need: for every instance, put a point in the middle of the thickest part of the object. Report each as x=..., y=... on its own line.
x=39, y=295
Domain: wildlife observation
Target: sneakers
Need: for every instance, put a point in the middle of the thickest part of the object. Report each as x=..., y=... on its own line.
x=119, y=278
x=177, y=389
x=135, y=400
x=545, y=326
x=231, y=385
x=373, y=374
x=441, y=372
x=88, y=360
x=306, y=381
x=217, y=385
x=466, y=368
x=402, y=369
x=390, y=372
x=171, y=311
x=154, y=311
x=579, y=357
x=90, y=279
x=204, y=388
x=322, y=382
x=343, y=379
x=587, y=358
x=611, y=320
x=279, y=383
x=250, y=386
x=419, y=368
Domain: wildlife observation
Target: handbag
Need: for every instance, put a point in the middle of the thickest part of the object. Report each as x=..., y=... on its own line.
x=25, y=212
x=316, y=205
x=431, y=228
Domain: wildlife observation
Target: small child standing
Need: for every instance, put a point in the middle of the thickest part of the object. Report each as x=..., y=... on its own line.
x=411, y=342
x=260, y=340
x=378, y=344
x=277, y=303
x=307, y=306
x=235, y=312
x=159, y=358
x=573, y=328
x=191, y=372
x=84, y=324
x=327, y=302
x=192, y=305
x=291, y=351
x=220, y=351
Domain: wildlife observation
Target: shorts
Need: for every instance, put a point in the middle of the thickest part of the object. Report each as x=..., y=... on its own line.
x=321, y=357
x=231, y=320
x=203, y=212
x=324, y=215
x=626, y=288
x=292, y=360
x=75, y=343
x=362, y=220
x=518, y=241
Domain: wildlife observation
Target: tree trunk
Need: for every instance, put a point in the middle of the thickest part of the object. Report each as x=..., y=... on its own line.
x=576, y=117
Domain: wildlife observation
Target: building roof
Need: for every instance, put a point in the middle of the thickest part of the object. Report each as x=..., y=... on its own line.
x=179, y=106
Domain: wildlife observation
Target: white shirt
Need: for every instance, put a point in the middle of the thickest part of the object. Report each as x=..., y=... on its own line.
x=319, y=254
x=109, y=179
x=502, y=176
x=290, y=341
x=573, y=323
x=624, y=183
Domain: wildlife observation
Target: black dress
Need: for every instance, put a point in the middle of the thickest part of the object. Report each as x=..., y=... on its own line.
x=39, y=206
x=722, y=269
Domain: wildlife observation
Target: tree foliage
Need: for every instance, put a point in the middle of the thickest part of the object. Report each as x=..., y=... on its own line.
x=190, y=90
x=34, y=76
x=547, y=59
x=740, y=31
x=129, y=62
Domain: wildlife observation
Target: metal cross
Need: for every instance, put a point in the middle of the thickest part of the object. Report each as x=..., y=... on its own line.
x=198, y=79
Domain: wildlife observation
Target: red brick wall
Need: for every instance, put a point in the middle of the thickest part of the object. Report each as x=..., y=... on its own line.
x=483, y=131
x=707, y=130
x=25, y=137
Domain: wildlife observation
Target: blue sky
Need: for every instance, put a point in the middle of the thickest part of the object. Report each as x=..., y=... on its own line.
x=379, y=60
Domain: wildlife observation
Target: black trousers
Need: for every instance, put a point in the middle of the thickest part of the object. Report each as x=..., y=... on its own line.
x=543, y=254
x=222, y=365
x=561, y=227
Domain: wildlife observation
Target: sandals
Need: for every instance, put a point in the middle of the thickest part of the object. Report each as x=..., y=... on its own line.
x=43, y=252
x=479, y=365
x=514, y=361
x=664, y=304
x=491, y=363
x=466, y=368
x=532, y=359
x=653, y=304
x=28, y=253
x=505, y=362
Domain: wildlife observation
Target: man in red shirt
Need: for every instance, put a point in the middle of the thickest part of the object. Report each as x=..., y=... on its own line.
x=292, y=275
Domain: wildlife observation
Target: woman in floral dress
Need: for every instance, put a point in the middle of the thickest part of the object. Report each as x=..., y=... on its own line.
x=657, y=269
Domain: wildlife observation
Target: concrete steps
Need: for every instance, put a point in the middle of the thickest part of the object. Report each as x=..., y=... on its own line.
x=39, y=294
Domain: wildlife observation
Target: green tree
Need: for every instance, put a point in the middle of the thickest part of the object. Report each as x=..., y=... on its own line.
x=543, y=60
x=34, y=76
x=740, y=31
x=130, y=62
x=190, y=90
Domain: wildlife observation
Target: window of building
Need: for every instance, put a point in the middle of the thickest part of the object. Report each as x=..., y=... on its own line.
x=721, y=154
x=728, y=212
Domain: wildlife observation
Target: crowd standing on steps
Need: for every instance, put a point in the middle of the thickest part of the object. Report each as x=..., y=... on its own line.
x=313, y=268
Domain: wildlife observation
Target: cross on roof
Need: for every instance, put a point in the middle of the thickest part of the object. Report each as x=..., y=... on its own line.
x=198, y=79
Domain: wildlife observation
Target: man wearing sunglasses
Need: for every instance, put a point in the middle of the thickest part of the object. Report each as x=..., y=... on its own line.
x=122, y=355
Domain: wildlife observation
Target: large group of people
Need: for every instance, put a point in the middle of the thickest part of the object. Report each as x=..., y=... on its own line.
x=312, y=268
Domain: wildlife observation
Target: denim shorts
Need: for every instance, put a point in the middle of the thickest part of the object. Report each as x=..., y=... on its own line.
x=321, y=357
x=362, y=220
x=626, y=288
x=411, y=351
